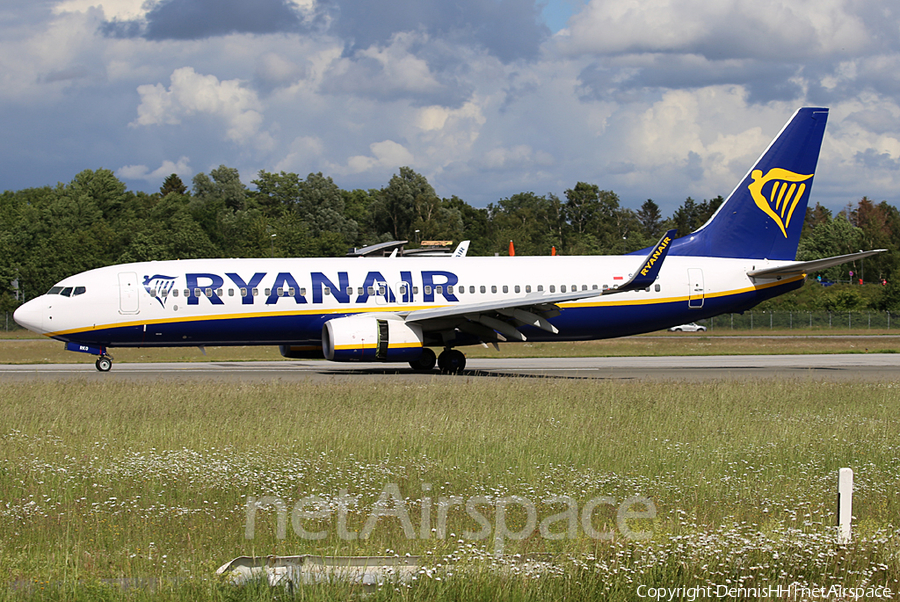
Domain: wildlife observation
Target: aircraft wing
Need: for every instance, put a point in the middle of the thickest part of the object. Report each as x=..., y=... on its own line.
x=805, y=267
x=504, y=316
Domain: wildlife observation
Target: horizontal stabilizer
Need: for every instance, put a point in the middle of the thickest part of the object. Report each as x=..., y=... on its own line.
x=805, y=267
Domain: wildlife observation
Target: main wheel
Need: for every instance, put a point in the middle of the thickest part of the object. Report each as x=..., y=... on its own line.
x=425, y=362
x=452, y=361
x=103, y=363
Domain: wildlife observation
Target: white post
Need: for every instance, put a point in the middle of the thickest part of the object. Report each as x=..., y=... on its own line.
x=845, y=504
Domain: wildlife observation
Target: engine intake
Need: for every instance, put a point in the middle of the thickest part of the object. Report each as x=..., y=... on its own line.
x=366, y=339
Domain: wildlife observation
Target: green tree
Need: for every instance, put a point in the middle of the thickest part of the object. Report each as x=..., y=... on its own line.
x=172, y=185
x=395, y=209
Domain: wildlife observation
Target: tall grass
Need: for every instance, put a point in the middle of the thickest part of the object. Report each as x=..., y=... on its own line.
x=136, y=481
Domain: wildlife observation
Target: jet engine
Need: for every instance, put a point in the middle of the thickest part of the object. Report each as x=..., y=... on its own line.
x=371, y=339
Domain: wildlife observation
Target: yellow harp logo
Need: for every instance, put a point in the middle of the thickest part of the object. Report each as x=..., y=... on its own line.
x=779, y=200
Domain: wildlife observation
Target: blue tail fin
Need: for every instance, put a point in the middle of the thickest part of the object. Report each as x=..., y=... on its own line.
x=762, y=217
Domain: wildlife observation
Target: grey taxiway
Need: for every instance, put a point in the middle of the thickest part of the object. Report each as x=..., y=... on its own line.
x=874, y=366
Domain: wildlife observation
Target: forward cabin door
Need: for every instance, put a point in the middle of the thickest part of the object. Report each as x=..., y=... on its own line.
x=129, y=299
x=695, y=283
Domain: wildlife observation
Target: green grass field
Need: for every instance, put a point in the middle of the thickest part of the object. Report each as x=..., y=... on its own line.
x=150, y=482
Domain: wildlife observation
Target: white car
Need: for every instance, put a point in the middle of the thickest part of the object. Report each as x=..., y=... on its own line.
x=692, y=327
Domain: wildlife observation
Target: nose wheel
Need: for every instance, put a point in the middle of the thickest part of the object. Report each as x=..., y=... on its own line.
x=103, y=363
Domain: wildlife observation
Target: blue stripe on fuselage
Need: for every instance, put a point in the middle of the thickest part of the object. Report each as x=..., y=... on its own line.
x=574, y=323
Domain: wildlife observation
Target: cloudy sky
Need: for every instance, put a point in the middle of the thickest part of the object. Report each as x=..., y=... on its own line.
x=653, y=99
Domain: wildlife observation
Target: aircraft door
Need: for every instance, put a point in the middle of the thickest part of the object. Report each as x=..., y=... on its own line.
x=695, y=290
x=129, y=298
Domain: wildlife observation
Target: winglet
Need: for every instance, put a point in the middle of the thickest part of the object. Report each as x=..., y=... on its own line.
x=649, y=270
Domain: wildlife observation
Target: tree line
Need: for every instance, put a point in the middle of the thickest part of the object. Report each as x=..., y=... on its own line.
x=49, y=233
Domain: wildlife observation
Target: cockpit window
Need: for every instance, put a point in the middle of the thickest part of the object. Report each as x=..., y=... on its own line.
x=68, y=291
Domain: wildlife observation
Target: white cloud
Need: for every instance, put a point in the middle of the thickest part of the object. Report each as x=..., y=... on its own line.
x=191, y=92
x=779, y=29
x=385, y=154
x=112, y=9
x=141, y=172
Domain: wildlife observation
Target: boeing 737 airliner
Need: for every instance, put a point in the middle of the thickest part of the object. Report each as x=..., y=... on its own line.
x=394, y=309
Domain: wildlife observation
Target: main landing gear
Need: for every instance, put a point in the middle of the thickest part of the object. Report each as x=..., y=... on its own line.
x=450, y=361
x=103, y=363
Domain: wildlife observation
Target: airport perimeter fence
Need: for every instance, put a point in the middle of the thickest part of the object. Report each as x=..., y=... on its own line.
x=804, y=320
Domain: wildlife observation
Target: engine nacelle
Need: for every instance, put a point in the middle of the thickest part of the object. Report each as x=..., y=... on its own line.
x=370, y=339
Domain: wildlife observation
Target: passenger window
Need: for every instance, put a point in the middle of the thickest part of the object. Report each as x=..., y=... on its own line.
x=269, y=292
x=280, y=292
x=231, y=292
x=174, y=292
x=606, y=287
x=243, y=291
x=349, y=291
x=292, y=291
x=218, y=292
x=163, y=293
x=517, y=288
x=360, y=291
x=540, y=288
x=256, y=292
x=656, y=287
x=302, y=292
x=209, y=292
x=439, y=290
x=562, y=288
x=382, y=291
x=527, y=288
x=371, y=290
x=472, y=289
x=593, y=287
x=197, y=292
x=427, y=290
x=326, y=290
x=483, y=290
x=493, y=288
x=450, y=289
x=505, y=289
x=552, y=288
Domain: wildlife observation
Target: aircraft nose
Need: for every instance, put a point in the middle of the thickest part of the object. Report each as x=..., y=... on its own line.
x=31, y=315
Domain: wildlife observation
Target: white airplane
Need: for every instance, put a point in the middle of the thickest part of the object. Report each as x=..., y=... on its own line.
x=394, y=309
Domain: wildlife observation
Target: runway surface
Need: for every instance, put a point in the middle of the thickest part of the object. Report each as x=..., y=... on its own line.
x=871, y=367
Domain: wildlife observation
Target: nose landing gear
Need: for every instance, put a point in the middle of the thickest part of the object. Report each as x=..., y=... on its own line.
x=104, y=361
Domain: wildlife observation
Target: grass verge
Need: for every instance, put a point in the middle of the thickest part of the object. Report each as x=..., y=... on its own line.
x=148, y=483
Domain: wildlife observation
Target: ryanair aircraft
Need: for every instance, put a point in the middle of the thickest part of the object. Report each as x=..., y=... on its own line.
x=395, y=309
